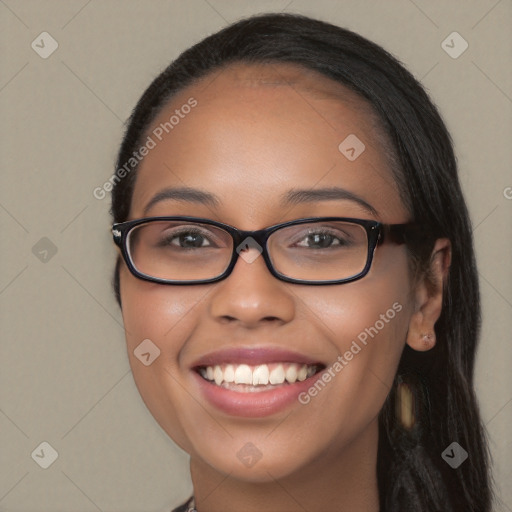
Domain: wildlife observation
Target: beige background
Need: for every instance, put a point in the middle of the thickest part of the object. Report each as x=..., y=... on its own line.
x=65, y=377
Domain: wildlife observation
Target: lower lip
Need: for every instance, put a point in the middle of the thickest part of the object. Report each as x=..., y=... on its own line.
x=257, y=404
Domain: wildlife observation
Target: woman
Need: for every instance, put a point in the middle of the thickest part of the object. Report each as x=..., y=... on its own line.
x=297, y=276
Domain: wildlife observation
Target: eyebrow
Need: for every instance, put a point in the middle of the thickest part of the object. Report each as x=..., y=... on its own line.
x=296, y=196
x=292, y=197
x=188, y=194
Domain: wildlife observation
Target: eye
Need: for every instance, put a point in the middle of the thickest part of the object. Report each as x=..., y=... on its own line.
x=324, y=238
x=186, y=238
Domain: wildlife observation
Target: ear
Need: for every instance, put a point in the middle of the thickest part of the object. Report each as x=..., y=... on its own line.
x=429, y=298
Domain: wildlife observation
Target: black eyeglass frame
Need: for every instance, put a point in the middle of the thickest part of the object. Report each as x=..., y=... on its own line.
x=377, y=233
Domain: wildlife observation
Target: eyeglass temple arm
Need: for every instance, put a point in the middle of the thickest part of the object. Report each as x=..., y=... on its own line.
x=400, y=233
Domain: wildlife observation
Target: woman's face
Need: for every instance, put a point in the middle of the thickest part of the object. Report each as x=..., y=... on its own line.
x=250, y=140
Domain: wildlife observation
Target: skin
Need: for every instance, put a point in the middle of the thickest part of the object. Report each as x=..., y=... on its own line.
x=257, y=132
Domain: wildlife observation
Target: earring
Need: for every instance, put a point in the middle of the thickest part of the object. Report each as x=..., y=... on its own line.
x=428, y=339
x=412, y=406
x=405, y=405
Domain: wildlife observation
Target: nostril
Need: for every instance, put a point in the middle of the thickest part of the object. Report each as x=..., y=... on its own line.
x=227, y=319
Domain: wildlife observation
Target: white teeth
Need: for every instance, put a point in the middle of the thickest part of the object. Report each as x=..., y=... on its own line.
x=260, y=375
x=243, y=375
x=277, y=375
x=229, y=373
x=302, y=374
x=218, y=375
x=291, y=373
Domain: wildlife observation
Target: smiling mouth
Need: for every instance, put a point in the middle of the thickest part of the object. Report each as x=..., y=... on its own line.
x=246, y=378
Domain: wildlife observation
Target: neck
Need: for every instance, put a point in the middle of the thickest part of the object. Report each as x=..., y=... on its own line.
x=342, y=480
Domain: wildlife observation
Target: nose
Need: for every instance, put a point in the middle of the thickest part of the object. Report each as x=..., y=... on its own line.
x=251, y=295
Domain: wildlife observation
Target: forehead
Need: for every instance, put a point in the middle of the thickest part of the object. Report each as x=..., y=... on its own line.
x=256, y=131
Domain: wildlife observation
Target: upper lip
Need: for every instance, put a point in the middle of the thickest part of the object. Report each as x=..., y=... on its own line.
x=252, y=356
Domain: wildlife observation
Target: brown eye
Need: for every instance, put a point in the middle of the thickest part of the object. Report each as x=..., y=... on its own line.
x=186, y=239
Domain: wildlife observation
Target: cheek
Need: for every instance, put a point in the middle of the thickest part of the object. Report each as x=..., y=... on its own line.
x=351, y=310
x=366, y=322
x=166, y=316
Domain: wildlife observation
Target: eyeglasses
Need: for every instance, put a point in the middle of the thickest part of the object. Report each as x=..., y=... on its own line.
x=190, y=250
